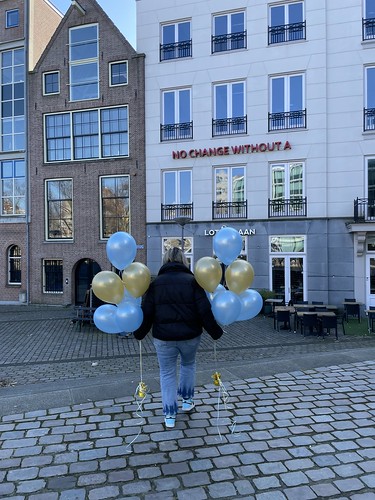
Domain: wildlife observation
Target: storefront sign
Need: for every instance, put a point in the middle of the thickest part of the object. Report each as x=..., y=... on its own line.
x=243, y=232
x=262, y=147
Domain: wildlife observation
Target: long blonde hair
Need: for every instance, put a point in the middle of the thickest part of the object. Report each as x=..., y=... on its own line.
x=174, y=254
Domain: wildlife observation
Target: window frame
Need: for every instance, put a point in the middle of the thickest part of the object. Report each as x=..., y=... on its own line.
x=70, y=139
x=178, y=184
x=48, y=73
x=12, y=260
x=287, y=167
x=14, y=195
x=226, y=125
x=8, y=15
x=229, y=31
x=180, y=49
x=101, y=202
x=47, y=204
x=75, y=63
x=59, y=263
x=230, y=183
x=111, y=64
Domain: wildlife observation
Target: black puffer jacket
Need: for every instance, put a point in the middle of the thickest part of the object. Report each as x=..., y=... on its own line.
x=176, y=307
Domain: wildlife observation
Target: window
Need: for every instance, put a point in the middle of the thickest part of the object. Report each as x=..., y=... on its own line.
x=13, y=187
x=176, y=41
x=115, y=207
x=12, y=18
x=286, y=23
x=369, y=117
x=287, y=189
x=177, y=122
x=287, y=103
x=14, y=265
x=171, y=242
x=177, y=194
x=13, y=100
x=59, y=209
x=229, y=109
x=51, y=83
x=368, y=23
x=228, y=32
x=52, y=276
x=118, y=73
x=89, y=134
x=84, y=63
x=229, y=193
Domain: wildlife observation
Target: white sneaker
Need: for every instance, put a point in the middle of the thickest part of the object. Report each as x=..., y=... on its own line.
x=170, y=421
x=187, y=405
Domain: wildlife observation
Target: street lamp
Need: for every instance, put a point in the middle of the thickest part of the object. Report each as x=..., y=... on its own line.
x=182, y=221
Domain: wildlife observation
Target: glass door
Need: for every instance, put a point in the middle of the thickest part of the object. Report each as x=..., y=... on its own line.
x=287, y=278
x=370, y=281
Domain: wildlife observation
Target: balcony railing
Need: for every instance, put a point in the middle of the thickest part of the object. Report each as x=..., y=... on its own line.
x=287, y=120
x=229, y=41
x=287, y=33
x=229, y=209
x=176, y=131
x=229, y=126
x=170, y=212
x=175, y=50
x=284, y=207
x=369, y=119
x=364, y=210
x=368, y=29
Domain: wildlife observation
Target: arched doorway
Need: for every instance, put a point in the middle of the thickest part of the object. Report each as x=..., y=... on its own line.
x=84, y=273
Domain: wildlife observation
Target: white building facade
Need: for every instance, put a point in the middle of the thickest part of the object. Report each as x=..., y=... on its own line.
x=261, y=116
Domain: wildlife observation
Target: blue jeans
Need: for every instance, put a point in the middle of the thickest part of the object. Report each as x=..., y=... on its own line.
x=168, y=352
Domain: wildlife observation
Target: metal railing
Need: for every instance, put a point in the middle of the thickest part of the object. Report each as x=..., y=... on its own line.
x=369, y=119
x=368, y=29
x=287, y=120
x=169, y=212
x=175, y=50
x=229, y=41
x=229, y=126
x=176, y=131
x=284, y=207
x=287, y=33
x=364, y=210
x=229, y=209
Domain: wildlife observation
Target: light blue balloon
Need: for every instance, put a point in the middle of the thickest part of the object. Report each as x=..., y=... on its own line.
x=129, y=316
x=129, y=298
x=105, y=318
x=218, y=289
x=121, y=249
x=227, y=245
x=251, y=304
x=226, y=307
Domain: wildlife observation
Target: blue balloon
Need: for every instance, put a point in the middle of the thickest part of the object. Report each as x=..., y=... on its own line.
x=105, y=318
x=226, y=307
x=251, y=304
x=129, y=317
x=121, y=249
x=227, y=245
x=218, y=289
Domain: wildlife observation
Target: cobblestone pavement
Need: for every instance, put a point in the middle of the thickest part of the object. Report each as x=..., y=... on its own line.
x=295, y=435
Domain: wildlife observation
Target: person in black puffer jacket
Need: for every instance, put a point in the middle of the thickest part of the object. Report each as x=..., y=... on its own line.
x=177, y=309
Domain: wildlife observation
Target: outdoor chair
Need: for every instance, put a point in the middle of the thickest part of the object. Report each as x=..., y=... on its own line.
x=308, y=323
x=329, y=323
x=371, y=318
x=340, y=315
x=353, y=310
x=282, y=317
x=349, y=300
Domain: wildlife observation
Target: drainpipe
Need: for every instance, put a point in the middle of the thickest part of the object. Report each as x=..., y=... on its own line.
x=27, y=159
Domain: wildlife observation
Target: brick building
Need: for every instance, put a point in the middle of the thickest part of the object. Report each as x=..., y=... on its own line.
x=25, y=29
x=87, y=165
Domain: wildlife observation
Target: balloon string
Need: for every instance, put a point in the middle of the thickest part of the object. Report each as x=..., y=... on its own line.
x=140, y=395
x=223, y=396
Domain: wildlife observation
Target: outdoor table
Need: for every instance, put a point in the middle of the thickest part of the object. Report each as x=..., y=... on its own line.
x=291, y=309
x=320, y=314
x=301, y=307
x=274, y=302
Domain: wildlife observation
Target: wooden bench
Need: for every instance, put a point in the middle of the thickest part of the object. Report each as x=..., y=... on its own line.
x=83, y=316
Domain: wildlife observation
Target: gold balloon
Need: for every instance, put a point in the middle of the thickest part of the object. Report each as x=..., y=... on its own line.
x=136, y=278
x=108, y=287
x=208, y=273
x=239, y=275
